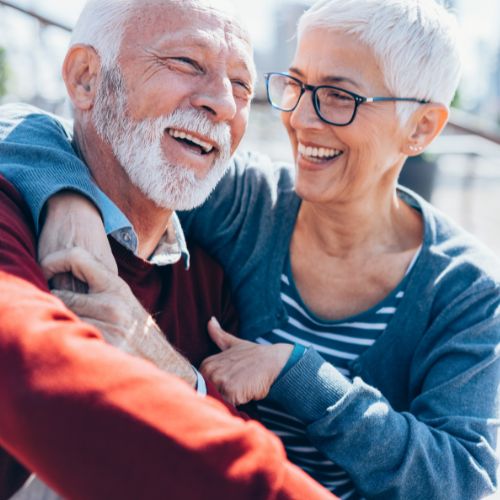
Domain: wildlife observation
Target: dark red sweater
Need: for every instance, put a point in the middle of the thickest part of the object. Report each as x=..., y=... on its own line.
x=95, y=423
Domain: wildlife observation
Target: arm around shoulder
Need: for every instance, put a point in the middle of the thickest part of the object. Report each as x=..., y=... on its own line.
x=37, y=157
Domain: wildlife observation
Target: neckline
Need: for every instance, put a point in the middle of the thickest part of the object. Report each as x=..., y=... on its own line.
x=390, y=298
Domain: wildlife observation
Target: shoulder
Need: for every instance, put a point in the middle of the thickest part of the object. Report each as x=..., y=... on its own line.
x=254, y=177
x=254, y=197
x=13, y=208
x=449, y=251
x=17, y=237
x=456, y=278
x=28, y=122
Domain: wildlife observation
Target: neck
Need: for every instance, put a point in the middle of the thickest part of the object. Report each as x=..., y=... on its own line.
x=375, y=223
x=148, y=220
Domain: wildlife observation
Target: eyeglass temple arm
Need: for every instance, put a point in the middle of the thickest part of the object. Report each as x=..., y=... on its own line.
x=405, y=99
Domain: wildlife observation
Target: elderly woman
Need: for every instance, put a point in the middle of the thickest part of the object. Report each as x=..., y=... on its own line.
x=393, y=311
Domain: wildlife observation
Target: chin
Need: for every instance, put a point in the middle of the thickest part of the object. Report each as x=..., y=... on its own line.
x=307, y=192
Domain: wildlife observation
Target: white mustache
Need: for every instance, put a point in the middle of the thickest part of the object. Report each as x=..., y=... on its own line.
x=191, y=120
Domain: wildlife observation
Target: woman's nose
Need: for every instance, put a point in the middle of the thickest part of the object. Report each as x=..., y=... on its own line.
x=304, y=115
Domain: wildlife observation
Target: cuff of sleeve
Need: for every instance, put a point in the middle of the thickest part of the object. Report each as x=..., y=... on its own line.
x=310, y=387
x=201, y=386
x=37, y=201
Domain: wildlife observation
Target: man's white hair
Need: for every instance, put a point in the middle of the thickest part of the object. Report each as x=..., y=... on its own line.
x=102, y=23
x=415, y=43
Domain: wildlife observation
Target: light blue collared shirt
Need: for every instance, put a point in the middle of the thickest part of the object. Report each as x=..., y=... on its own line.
x=171, y=248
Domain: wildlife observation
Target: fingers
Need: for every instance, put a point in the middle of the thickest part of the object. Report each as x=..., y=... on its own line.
x=73, y=221
x=66, y=281
x=219, y=377
x=79, y=263
x=89, y=306
x=78, y=303
x=226, y=377
x=222, y=339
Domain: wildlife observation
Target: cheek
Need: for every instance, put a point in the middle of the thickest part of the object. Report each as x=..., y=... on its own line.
x=239, y=126
x=285, y=120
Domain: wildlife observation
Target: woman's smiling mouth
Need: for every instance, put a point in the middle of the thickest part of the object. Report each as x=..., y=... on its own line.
x=313, y=153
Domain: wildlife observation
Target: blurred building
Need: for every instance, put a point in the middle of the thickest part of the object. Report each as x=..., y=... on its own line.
x=278, y=57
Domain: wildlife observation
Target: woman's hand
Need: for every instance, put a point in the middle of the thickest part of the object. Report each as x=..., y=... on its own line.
x=243, y=371
x=72, y=221
x=113, y=309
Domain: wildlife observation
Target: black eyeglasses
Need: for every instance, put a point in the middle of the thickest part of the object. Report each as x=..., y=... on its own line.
x=333, y=105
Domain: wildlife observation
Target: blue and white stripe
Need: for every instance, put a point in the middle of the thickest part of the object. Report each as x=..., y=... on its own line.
x=339, y=342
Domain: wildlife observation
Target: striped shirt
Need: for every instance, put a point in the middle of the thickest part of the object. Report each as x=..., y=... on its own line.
x=338, y=342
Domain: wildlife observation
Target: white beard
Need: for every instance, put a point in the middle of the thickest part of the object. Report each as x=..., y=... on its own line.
x=137, y=147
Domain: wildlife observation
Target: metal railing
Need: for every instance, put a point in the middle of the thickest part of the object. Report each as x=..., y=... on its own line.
x=42, y=19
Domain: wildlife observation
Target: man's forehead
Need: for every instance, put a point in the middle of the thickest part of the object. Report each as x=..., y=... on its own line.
x=177, y=14
x=170, y=24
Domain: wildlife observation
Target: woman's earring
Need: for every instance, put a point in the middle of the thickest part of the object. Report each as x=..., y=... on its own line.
x=414, y=148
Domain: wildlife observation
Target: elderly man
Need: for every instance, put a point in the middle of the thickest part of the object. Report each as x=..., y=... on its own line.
x=161, y=92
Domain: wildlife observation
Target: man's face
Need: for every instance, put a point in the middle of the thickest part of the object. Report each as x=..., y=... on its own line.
x=177, y=105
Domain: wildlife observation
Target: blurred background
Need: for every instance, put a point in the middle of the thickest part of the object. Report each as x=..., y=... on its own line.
x=461, y=172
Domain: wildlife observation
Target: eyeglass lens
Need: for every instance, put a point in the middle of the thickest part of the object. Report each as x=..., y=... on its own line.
x=332, y=104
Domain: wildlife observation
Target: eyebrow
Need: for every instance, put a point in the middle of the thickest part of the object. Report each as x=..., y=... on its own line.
x=200, y=41
x=192, y=41
x=328, y=79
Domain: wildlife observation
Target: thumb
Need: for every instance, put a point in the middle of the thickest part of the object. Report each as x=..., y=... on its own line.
x=222, y=339
x=80, y=264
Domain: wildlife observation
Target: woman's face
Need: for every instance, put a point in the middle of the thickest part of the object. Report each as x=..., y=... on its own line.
x=363, y=158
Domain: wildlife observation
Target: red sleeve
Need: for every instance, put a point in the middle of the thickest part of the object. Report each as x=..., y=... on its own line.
x=96, y=423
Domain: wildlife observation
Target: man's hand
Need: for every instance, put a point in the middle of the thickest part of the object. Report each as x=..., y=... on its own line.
x=113, y=309
x=243, y=371
x=72, y=221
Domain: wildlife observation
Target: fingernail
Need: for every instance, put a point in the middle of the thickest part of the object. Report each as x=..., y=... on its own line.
x=214, y=321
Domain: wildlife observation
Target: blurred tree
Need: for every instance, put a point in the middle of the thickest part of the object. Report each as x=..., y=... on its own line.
x=3, y=72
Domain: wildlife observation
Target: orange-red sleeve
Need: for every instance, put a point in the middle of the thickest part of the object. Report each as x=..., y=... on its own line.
x=96, y=423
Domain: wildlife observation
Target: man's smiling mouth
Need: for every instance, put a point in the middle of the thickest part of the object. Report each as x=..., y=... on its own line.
x=192, y=141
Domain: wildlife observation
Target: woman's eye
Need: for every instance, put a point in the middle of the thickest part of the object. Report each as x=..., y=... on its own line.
x=290, y=84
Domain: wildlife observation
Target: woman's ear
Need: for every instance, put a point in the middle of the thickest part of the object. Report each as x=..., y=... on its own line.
x=426, y=124
x=80, y=73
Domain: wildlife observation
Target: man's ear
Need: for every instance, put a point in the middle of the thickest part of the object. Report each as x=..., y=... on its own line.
x=425, y=125
x=80, y=73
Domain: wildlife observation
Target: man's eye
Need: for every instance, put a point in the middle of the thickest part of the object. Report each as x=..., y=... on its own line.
x=185, y=62
x=242, y=88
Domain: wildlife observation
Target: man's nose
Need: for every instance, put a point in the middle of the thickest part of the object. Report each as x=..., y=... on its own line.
x=216, y=97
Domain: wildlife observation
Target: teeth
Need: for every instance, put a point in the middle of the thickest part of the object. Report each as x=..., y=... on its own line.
x=318, y=152
x=179, y=134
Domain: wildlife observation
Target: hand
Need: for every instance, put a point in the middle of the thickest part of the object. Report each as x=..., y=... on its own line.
x=72, y=221
x=243, y=371
x=111, y=307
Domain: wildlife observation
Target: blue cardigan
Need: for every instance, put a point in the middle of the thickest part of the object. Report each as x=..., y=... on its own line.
x=420, y=418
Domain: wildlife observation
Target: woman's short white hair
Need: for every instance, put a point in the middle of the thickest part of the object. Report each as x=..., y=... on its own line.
x=415, y=43
x=102, y=23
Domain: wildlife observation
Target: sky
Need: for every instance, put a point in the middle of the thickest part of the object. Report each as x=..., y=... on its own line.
x=255, y=12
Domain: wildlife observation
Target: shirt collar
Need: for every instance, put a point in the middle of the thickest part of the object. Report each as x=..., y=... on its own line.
x=171, y=248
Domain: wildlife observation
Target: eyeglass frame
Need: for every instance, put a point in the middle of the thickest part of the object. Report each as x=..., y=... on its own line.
x=358, y=99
